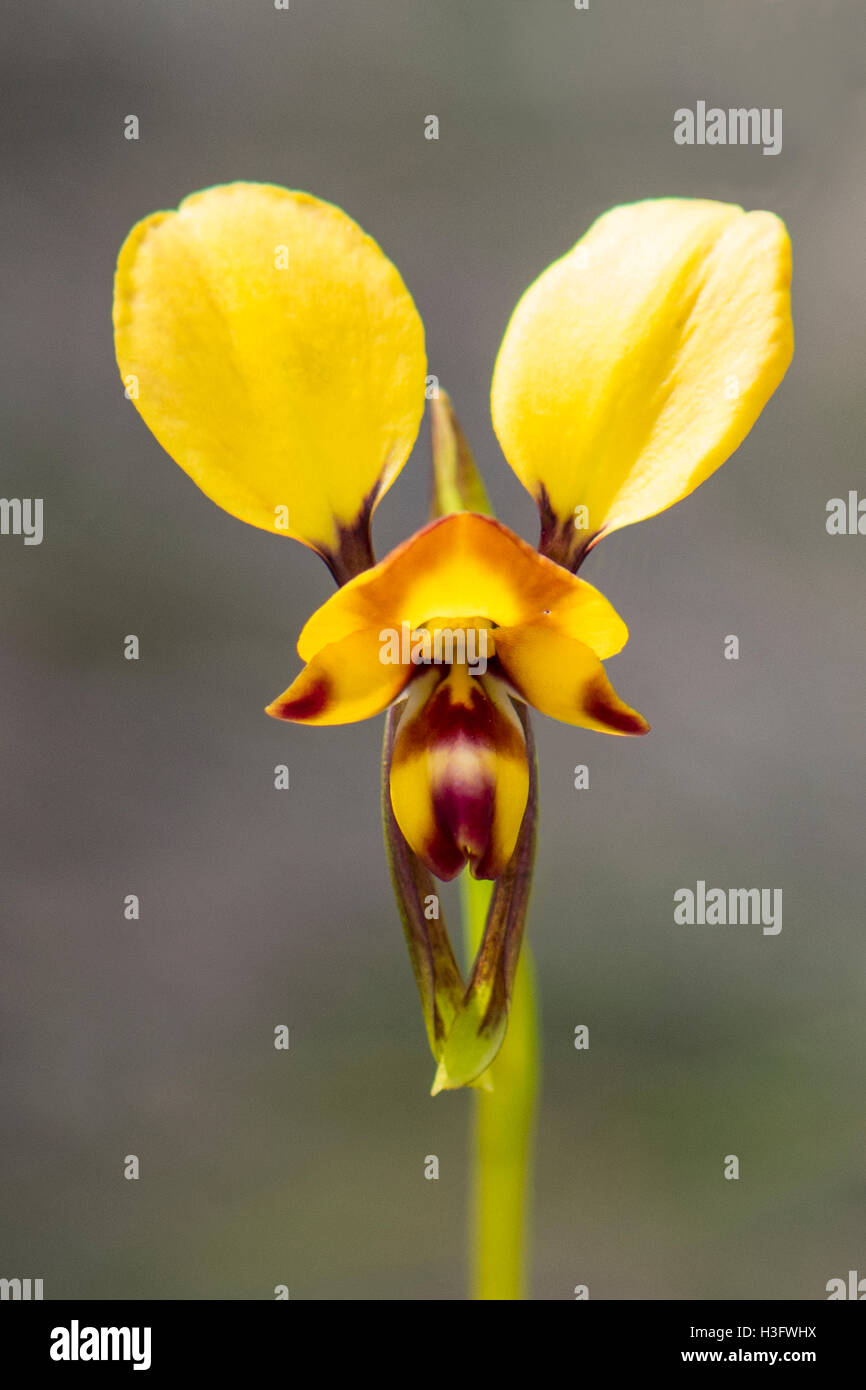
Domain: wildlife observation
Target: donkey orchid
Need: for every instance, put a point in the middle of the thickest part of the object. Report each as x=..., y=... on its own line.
x=276, y=354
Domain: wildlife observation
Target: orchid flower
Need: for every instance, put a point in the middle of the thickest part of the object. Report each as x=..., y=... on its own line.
x=276, y=354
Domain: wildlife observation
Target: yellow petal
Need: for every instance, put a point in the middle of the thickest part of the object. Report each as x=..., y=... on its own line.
x=465, y=566
x=344, y=682
x=636, y=364
x=459, y=774
x=563, y=678
x=277, y=355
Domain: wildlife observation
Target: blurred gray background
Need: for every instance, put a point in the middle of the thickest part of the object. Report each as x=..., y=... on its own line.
x=262, y=907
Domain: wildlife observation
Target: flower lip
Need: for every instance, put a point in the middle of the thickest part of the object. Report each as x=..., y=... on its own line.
x=459, y=774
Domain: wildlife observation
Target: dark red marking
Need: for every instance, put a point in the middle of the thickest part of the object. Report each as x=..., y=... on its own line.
x=305, y=706
x=625, y=721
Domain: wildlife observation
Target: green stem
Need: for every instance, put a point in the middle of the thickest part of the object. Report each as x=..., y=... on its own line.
x=502, y=1128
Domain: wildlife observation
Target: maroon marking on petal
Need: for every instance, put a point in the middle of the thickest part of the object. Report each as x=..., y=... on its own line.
x=463, y=805
x=486, y=866
x=442, y=856
x=559, y=541
x=625, y=721
x=353, y=552
x=305, y=706
x=441, y=720
x=466, y=816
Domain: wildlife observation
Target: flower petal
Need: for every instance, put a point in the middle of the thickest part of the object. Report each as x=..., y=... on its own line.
x=459, y=774
x=465, y=566
x=636, y=364
x=344, y=682
x=278, y=356
x=563, y=678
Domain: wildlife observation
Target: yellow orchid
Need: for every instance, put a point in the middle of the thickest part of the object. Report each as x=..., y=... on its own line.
x=276, y=354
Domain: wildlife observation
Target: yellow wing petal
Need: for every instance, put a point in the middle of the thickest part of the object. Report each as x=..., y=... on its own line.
x=636, y=364
x=276, y=355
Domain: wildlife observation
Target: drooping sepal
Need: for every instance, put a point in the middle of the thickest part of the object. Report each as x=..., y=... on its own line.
x=437, y=974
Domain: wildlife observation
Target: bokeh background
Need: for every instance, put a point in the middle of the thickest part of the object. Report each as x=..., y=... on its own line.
x=262, y=907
